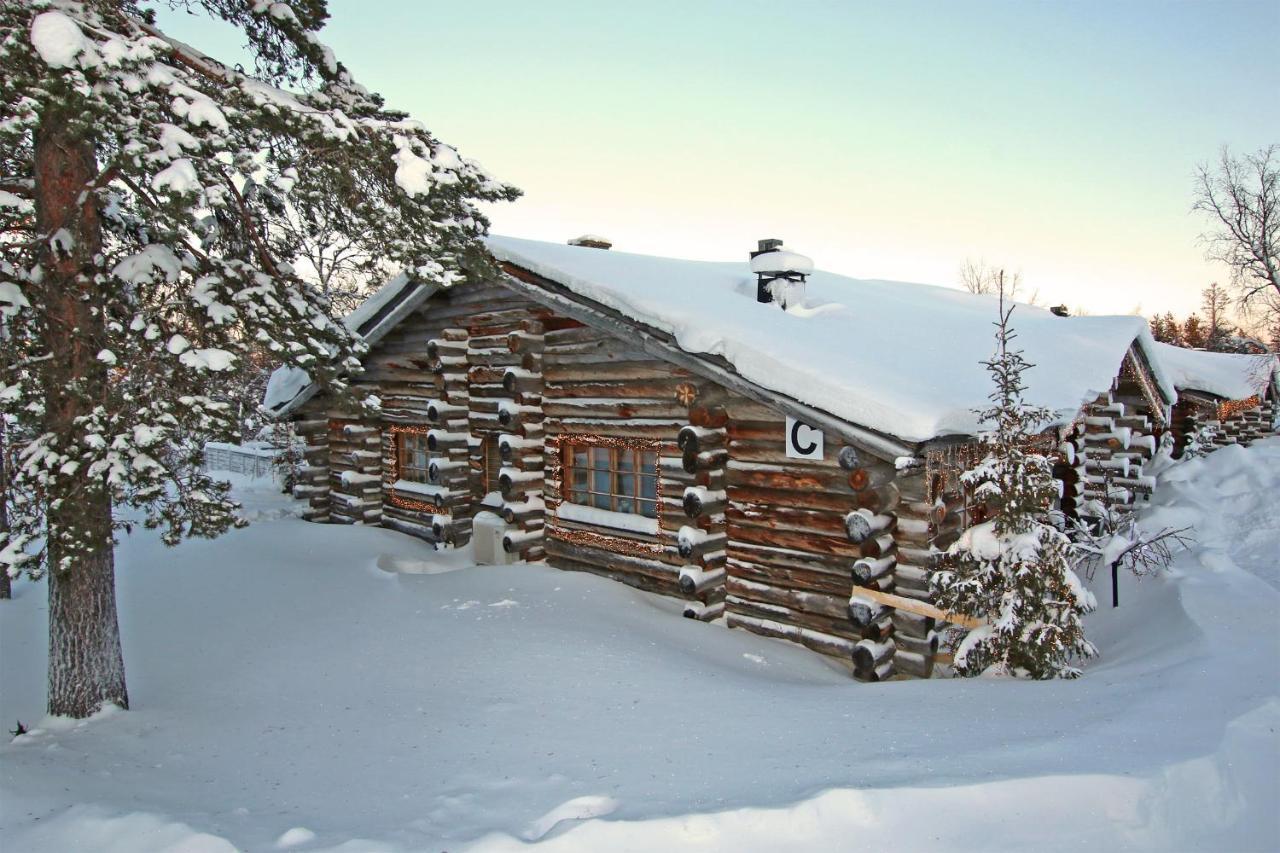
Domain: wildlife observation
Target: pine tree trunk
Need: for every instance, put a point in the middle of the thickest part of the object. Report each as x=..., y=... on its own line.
x=86, y=665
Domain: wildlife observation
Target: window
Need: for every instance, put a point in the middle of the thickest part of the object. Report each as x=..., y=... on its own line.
x=413, y=457
x=618, y=479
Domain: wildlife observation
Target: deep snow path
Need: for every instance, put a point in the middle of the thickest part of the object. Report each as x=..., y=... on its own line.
x=282, y=680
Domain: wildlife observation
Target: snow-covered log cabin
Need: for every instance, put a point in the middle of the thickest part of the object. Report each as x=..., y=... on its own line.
x=775, y=445
x=1223, y=398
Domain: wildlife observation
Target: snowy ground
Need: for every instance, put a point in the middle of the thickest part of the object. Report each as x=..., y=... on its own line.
x=331, y=688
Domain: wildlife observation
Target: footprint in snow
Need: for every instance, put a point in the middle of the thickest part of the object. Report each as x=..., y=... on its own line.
x=409, y=566
x=579, y=808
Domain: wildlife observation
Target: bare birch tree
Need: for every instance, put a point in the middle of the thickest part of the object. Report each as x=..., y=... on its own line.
x=1241, y=198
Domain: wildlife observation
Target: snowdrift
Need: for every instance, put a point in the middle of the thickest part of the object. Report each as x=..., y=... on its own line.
x=327, y=688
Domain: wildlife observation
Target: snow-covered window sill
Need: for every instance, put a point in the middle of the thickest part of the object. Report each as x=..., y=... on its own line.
x=428, y=489
x=630, y=522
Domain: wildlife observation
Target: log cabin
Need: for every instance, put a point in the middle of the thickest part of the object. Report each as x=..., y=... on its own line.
x=1223, y=398
x=777, y=446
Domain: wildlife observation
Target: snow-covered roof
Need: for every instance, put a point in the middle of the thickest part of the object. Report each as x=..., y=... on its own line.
x=903, y=359
x=1231, y=376
x=290, y=387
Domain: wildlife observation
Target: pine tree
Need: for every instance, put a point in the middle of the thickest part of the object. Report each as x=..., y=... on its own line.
x=1158, y=330
x=1164, y=328
x=1173, y=332
x=1014, y=570
x=1194, y=333
x=144, y=190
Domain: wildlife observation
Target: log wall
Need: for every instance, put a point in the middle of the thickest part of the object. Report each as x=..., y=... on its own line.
x=599, y=390
x=1200, y=417
x=1115, y=437
x=804, y=537
x=1245, y=424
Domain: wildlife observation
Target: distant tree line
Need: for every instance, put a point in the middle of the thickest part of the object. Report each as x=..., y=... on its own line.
x=1214, y=331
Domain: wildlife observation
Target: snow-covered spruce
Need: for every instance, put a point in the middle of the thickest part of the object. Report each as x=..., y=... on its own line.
x=158, y=204
x=1014, y=571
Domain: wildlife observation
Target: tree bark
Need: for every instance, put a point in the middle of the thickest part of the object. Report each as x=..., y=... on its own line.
x=86, y=664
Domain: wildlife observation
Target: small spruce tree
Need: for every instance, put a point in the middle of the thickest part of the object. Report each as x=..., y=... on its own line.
x=1014, y=571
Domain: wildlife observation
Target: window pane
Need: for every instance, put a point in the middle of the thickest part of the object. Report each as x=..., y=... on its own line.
x=626, y=504
x=626, y=460
x=600, y=481
x=579, y=479
x=648, y=509
x=601, y=502
x=600, y=457
x=577, y=497
x=649, y=488
x=626, y=484
x=649, y=461
x=580, y=457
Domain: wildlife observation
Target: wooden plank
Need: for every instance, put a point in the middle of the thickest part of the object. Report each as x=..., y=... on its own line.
x=920, y=608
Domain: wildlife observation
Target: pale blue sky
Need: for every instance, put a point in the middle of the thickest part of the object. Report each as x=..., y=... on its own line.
x=884, y=140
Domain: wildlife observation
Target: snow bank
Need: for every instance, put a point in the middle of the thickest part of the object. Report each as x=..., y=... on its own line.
x=97, y=829
x=904, y=359
x=383, y=696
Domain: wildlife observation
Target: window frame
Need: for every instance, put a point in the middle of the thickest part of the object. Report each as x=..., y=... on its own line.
x=614, y=467
x=403, y=439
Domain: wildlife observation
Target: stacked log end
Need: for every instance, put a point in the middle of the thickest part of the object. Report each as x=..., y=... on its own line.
x=312, y=482
x=921, y=516
x=355, y=471
x=504, y=362
x=695, y=497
